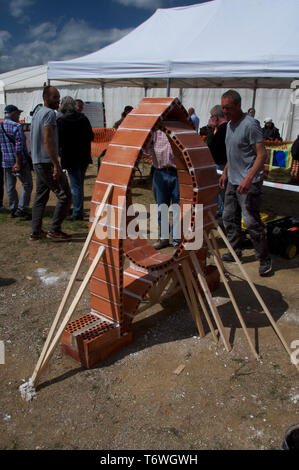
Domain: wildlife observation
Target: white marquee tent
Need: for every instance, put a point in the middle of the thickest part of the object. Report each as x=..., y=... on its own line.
x=248, y=44
x=208, y=44
x=199, y=51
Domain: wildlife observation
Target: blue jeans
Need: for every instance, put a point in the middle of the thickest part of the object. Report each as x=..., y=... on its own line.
x=25, y=177
x=220, y=195
x=76, y=178
x=167, y=191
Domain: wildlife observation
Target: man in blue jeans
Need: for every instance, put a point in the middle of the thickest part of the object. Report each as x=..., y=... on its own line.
x=165, y=186
x=15, y=163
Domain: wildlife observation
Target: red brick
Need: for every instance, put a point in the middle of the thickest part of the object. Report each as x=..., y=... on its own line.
x=130, y=137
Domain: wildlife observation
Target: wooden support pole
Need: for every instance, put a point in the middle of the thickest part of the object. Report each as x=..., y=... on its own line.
x=208, y=295
x=52, y=346
x=255, y=291
x=232, y=298
x=216, y=249
x=185, y=292
x=195, y=309
x=204, y=309
x=82, y=256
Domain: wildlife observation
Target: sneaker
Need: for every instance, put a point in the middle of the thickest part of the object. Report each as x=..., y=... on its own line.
x=161, y=244
x=265, y=266
x=24, y=215
x=59, y=235
x=37, y=236
x=229, y=257
x=3, y=209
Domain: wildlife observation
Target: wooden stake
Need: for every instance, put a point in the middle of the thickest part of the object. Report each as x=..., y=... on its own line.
x=184, y=289
x=208, y=295
x=205, y=311
x=228, y=289
x=262, y=303
x=195, y=309
x=52, y=346
x=82, y=255
x=216, y=249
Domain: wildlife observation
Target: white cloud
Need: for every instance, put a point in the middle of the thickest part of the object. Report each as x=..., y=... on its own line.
x=74, y=39
x=43, y=31
x=4, y=37
x=147, y=4
x=17, y=7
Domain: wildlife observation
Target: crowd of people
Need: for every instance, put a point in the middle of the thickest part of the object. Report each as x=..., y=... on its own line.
x=60, y=153
x=57, y=130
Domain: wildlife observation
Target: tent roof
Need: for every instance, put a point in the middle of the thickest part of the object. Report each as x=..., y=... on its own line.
x=24, y=78
x=219, y=43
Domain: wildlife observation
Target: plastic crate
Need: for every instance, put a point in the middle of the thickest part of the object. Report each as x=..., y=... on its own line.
x=283, y=236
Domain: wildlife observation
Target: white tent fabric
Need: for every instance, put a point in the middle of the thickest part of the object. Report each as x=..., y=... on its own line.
x=275, y=103
x=220, y=43
x=23, y=87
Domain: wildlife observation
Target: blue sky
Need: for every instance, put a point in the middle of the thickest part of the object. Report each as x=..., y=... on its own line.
x=32, y=32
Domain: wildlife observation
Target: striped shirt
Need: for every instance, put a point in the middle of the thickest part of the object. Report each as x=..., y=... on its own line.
x=9, y=149
x=162, y=154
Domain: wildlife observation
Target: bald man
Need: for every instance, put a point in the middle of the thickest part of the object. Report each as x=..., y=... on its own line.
x=48, y=172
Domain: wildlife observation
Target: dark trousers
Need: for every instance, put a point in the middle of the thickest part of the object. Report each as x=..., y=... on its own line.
x=44, y=184
x=248, y=205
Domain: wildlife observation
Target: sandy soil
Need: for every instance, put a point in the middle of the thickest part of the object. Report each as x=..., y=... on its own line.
x=134, y=400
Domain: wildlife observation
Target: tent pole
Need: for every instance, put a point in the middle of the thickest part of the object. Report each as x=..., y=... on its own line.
x=168, y=88
x=291, y=113
x=103, y=100
x=254, y=94
x=181, y=95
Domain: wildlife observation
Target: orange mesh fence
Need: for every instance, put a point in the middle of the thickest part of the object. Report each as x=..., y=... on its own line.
x=102, y=137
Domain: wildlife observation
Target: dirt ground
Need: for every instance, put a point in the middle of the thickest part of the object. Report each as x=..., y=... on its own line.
x=134, y=400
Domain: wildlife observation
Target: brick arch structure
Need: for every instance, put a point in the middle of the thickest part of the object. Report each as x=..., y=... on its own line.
x=116, y=289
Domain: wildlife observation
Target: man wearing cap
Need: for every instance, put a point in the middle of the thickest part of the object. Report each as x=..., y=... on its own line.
x=48, y=172
x=15, y=162
x=243, y=179
x=270, y=132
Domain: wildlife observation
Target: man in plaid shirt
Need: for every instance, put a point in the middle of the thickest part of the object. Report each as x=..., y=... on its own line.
x=165, y=186
x=15, y=162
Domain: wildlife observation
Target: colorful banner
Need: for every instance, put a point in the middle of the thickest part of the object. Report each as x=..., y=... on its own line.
x=279, y=165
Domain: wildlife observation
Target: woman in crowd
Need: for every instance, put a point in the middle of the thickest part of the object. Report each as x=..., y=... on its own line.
x=75, y=137
x=270, y=132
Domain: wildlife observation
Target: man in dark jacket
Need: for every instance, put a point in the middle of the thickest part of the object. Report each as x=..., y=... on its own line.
x=216, y=143
x=75, y=136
